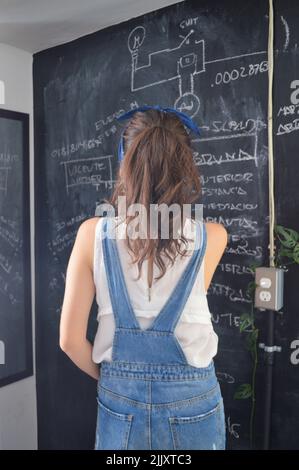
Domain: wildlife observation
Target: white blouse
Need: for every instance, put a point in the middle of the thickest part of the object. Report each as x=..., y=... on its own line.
x=194, y=330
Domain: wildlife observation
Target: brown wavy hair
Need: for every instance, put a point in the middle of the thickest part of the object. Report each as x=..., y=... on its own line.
x=158, y=168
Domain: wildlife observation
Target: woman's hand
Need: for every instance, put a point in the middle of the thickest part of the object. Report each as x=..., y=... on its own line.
x=78, y=298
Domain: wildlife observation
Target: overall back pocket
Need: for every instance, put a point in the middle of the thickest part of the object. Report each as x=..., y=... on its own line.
x=112, y=428
x=199, y=432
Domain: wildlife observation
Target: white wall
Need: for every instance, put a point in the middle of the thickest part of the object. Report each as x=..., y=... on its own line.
x=18, y=421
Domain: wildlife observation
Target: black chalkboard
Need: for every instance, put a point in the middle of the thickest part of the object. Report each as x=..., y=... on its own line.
x=208, y=59
x=15, y=277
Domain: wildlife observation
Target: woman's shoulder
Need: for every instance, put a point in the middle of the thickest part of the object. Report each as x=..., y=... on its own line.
x=86, y=236
x=217, y=232
x=214, y=231
x=88, y=226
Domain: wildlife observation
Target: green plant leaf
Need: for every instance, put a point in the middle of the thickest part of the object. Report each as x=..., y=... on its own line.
x=243, y=392
x=245, y=321
x=296, y=253
x=286, y=252
x=289, y=236
x=251, y=288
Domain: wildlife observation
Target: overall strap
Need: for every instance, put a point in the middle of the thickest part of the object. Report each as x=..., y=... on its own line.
x=171, y=312
x=124, y=315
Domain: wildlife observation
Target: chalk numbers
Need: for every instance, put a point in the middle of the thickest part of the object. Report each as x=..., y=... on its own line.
x=240, y=72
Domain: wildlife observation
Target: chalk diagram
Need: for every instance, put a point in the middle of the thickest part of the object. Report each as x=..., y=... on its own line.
x=95, y=171
x=184, y=63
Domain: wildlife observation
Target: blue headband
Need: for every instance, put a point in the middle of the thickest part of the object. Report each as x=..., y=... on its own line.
x=187, y=121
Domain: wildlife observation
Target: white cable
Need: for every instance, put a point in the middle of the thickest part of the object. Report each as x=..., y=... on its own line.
x=270, y=134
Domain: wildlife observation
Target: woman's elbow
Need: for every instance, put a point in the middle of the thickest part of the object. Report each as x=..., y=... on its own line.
x=71, y=343
x=66, y=343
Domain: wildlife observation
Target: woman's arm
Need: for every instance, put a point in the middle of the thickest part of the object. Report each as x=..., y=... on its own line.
x=217, y=239
x=78, y=298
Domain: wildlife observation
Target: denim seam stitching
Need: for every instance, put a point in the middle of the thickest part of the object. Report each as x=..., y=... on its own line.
x=151, y=377
x=167, y=369
x=157, y=374
x=147, y=332
x=222, y=425
x=173, y=435
x=154, y=364
x=161, y=366
x=175, y=404
x=128, y=430
x=150, y=416
x=195, y=373
x=114, y=342
x=196, y=418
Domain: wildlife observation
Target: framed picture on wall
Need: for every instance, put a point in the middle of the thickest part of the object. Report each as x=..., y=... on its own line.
x=16, y=353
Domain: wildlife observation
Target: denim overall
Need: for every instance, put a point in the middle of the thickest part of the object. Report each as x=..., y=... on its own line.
x=149, y=396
